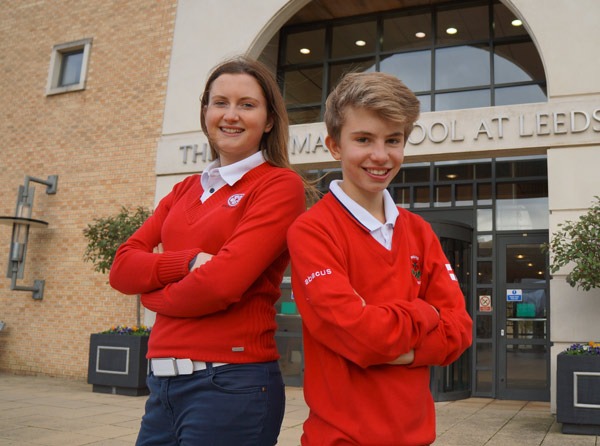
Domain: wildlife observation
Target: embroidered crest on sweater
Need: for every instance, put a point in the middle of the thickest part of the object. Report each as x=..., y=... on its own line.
x=415, y=268
x=234, y=200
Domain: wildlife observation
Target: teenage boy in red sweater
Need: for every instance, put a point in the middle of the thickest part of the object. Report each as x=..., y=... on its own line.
x=378, y=298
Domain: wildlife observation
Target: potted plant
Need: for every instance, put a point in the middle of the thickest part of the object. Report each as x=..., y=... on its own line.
x=117, y=361
x=117, y=357
x=576, y=245
x=578, y=389
x=106, y=234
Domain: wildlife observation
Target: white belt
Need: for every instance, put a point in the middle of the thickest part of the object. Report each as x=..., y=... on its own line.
x=175, y=367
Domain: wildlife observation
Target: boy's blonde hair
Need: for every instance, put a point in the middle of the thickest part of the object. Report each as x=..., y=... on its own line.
x=381, y=93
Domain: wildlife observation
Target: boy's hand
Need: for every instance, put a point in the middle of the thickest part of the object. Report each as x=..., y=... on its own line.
x=364, y=304
x=404, y=359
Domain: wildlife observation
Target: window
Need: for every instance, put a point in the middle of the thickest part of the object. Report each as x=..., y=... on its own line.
x=68, y=67
x=508, y=193
x=453, y=55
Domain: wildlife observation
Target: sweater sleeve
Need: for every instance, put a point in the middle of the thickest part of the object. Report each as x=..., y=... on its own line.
x=453, y=335
x=334, y=314
x=136, y=268
x=258, y=239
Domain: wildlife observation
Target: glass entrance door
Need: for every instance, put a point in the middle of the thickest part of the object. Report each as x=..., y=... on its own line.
x=453, y=382
x=523, y=319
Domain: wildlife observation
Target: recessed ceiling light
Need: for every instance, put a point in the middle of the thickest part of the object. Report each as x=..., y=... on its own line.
x=420, y=35
x=304, y=50
x=516, y=22
x=360, y=43
x=451, y=176
x=451, y=30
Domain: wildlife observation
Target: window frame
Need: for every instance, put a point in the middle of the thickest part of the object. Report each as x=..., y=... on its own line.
x=377, y=57
x=57, y=60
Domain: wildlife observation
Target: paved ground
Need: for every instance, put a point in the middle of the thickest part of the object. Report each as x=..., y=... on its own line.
x=44, y=411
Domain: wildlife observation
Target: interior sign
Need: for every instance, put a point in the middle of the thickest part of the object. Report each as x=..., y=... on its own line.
x=514, y=295
x=485, y=303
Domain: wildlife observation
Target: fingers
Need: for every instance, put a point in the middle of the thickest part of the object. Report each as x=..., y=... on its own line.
x=201, y=259
x=364, y=304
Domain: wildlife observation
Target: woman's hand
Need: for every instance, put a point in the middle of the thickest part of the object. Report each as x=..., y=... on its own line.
x=200, y=260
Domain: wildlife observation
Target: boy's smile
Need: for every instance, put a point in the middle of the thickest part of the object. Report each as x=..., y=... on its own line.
x=371, y=150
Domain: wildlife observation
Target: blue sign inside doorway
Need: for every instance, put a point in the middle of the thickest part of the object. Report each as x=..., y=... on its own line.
x=514, y=295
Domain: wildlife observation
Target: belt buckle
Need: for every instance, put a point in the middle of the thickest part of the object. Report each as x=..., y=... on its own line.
x=184, y=366
x=164, y=367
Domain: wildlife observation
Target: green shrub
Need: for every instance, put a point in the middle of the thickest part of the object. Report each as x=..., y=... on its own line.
x=105, y=236
x=578, y=243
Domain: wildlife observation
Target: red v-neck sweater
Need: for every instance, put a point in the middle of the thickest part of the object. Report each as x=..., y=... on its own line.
x=354, y=397
x=224, y=310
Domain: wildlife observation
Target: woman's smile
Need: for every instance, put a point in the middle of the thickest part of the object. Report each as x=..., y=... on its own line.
x=236, y=117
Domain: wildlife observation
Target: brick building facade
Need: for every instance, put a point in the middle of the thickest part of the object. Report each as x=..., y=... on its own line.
x=100, y=141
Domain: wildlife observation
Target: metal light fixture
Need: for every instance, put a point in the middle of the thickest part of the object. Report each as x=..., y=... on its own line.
x=21, y=222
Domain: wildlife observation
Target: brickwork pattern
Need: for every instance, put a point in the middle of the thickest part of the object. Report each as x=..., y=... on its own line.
x=101, y=142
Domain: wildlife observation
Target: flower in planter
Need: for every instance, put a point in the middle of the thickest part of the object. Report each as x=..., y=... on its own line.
x=141, y=330
x=591, y=348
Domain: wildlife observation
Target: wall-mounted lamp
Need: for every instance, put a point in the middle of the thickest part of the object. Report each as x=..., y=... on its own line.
x=21, y=222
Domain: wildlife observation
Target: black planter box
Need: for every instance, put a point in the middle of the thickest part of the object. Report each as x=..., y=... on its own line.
x=118, y=364
x=578, y=394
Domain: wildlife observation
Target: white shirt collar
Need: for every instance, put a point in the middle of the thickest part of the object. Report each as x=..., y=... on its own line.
x=232, y=173
x=360, y=213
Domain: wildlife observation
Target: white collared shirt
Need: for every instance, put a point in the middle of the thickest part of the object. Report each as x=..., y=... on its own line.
x=382, y=232
x=215, y=176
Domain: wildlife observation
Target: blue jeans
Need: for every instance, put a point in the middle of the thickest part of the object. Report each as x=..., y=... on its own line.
x=230, y=405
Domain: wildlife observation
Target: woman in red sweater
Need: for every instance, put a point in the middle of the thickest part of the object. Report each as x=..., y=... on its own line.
x=215, y=277
x=378, y=298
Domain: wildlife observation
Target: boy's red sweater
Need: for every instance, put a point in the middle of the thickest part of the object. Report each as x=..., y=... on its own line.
x=354, y=397
x=224, y=310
